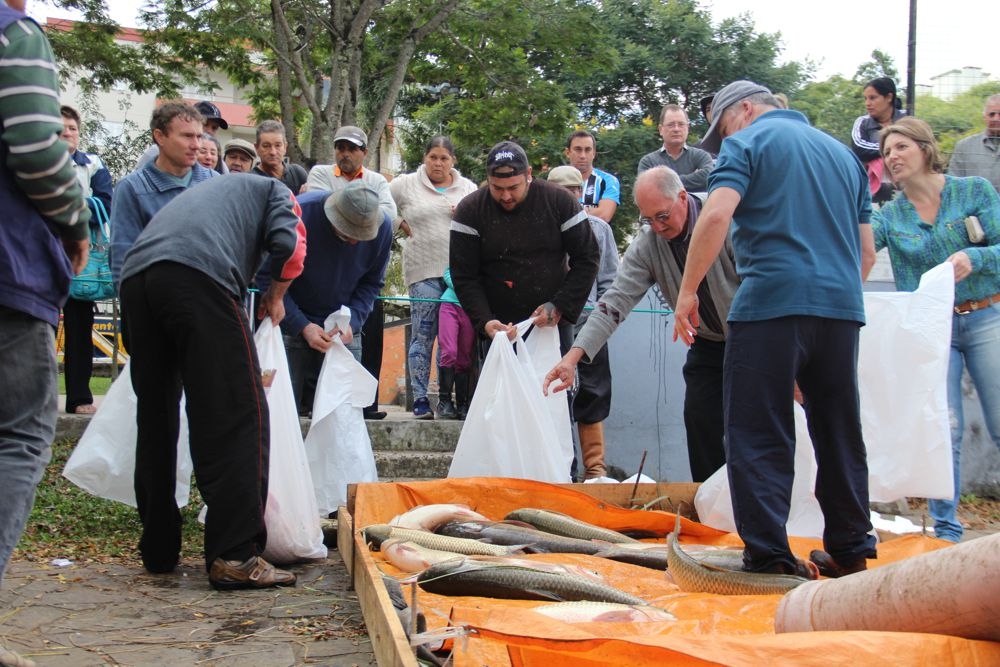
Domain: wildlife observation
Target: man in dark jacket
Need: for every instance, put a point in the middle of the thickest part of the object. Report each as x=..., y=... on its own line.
x=509, y=247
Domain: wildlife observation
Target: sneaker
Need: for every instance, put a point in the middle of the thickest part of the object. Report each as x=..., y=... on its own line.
x=446, y=410
x=422, y=409
x=374, y=414
x=254, y=572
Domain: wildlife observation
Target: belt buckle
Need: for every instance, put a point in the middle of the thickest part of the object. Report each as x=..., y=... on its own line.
x=958, y=310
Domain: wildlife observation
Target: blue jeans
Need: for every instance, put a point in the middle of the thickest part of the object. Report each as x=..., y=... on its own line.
x=423, y=330
x=975, y=344
x=27, y=419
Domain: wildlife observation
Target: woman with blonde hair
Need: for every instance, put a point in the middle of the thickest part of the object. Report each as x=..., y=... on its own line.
x=938, y=218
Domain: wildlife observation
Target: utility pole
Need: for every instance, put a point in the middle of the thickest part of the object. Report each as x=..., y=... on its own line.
x=911, y=61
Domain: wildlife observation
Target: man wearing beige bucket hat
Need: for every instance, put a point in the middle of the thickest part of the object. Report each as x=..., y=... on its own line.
x=349, y=241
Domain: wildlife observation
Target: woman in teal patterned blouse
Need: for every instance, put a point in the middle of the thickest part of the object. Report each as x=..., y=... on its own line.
x=929, y=223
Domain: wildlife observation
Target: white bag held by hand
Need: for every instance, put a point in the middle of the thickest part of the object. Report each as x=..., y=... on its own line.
x=338, y=446
x=510, y=430
x=291, y=515
x=103, y=462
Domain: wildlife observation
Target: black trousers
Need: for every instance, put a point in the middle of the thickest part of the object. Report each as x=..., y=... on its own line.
x=371, y=348
x=703, y=420
x=185, y=331
x=592, y=403
x=763, y=361
x=78, y=352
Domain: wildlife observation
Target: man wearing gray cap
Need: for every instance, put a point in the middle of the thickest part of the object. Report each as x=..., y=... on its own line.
x=592, y=402
x=509, y=247
x=239, y=156
x=350, y=146
x=349, y=242
x=799, y=205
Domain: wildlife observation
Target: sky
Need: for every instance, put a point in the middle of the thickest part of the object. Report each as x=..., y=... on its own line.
x=838, y=35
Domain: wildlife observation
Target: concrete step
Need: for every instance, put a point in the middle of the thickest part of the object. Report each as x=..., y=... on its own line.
x=412, y=465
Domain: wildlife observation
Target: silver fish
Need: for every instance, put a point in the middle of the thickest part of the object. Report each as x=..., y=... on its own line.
x=562, y=524
x=464, y=576
x=375, y=534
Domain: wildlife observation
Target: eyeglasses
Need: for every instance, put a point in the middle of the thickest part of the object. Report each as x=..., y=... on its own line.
x=674, y=125
x=992, y=114
x=660, y=218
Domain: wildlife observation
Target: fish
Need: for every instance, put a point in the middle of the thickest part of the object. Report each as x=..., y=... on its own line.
x=429, y=517
x=567, y=526
x=693, y=576
x=408, y=556
x=532, y=539
x=585, y=611
x=465, y=576
x=377, y=533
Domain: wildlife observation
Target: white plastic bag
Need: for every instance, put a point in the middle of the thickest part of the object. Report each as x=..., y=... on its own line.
x=291, y=515
x=337, y=445
x=103, y=462
x=714, y=503
x=510, y=430
x=902, y=375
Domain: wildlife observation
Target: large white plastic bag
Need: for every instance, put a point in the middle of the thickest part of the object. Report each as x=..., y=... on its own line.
x=509, y=431
x=714, y=503
x=543, y=351
x=291, y=515
x=338, y=446
x=103, y=462
x=902, y=374
x=902, y=371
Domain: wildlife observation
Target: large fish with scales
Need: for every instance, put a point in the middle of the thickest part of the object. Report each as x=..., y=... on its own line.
x=465, y=576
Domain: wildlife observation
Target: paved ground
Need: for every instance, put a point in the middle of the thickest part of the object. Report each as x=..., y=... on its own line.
x=82, y=615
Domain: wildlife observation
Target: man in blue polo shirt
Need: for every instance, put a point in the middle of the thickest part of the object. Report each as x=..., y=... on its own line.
x=799, y=205
x=601, y=194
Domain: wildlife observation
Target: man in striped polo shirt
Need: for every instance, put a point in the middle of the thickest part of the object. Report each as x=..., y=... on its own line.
x=44, y=240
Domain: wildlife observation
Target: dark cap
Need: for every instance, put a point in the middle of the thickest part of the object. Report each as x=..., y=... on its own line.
x=353, y=134
x=704, y=103
x=506, y=159
x=211, y=112
x=725, y=98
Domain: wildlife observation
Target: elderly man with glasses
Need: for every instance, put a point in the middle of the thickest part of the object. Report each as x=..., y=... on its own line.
x=657, y=256
x=690, y=163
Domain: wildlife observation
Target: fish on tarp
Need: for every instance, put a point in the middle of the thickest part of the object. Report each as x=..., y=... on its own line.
x=585, y=611
x=532, y=539
x=377, y=533
x=465, y=576
x=567, y=526
x=429, y=517
x=693, y=576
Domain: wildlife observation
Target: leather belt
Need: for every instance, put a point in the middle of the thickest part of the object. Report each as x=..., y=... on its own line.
x=967, y=307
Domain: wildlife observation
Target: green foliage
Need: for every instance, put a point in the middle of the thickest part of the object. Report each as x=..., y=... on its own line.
x=831, y=105
x=880, y=65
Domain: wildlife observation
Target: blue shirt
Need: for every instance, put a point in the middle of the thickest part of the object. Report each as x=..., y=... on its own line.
x=601, y=185
x=795, y=230
x=916, y=246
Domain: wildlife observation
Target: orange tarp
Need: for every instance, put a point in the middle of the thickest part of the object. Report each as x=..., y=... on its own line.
x=709, y=630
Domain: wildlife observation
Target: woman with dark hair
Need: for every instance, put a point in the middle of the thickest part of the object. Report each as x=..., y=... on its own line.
x=426, y=200
x=939, y=218
x=210, y=152
x=884, y=107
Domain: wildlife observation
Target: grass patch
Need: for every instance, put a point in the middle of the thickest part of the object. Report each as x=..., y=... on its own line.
x=68, y=522
x=98, y=384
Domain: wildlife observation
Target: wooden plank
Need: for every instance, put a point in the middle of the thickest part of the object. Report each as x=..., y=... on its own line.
x=389, y=643
x=345, y=538
x=666, y=496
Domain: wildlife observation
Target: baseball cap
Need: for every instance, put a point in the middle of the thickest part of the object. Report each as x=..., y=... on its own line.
x=353, y=134
x=566, y=175
x=507, y=158
x=354, y=211
x=704, y=103
x=725, y=98
x=211, y=112
x=240, y=145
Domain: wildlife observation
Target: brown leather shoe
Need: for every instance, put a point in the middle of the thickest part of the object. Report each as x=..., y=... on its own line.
x=828, y=567
x=255, y=572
